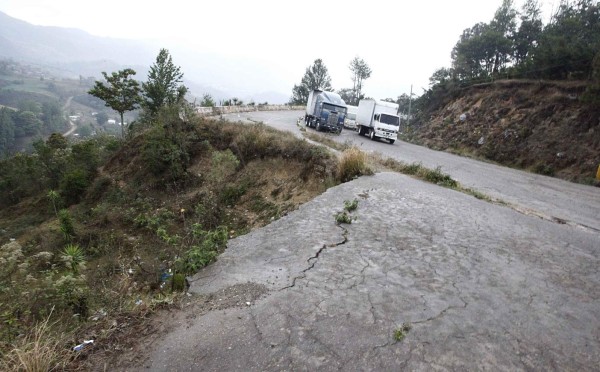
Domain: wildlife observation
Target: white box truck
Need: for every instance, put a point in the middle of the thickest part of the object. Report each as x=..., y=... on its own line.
x=378, y=119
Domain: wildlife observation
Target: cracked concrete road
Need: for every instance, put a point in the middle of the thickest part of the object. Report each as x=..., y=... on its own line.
x=483, y=287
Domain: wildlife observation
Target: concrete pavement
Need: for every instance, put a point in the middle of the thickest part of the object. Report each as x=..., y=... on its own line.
x=483, y=287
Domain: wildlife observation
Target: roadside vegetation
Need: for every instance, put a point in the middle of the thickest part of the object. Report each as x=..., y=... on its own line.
x=98, y=234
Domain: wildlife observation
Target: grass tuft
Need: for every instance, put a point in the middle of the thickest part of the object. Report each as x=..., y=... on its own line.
x=400, y=333
x=40, y=350
x=353, y=164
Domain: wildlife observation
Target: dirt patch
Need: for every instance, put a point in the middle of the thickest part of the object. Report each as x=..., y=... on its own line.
x=543, y=127
x=133, y=336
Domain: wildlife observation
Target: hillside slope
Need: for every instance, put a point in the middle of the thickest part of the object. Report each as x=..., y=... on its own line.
x=539, y=126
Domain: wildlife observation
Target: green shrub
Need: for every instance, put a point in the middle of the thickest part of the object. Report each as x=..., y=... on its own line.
x=162, y=156
x=178, y=284
x=66, y=224
x=343, y=217
x=350, y=206
x=400, y=333
x=436, y=176
x=545, y=169
x=223, y=164
x=73, y=185
x=200, y=255
x=73, y=257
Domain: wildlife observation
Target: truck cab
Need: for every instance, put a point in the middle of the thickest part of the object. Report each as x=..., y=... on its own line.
x=378, y=119
x=325, y=111
x=350, y=121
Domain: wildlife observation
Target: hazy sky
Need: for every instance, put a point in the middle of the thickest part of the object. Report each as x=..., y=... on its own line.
x=403, y=42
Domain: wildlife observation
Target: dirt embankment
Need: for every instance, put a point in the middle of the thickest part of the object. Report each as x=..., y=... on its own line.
x=539, y=126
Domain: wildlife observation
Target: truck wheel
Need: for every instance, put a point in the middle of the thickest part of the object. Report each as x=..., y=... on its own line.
x=319, y=128
x=359, y=130
x=392, y=141
x=306, y=120
x=372, y=135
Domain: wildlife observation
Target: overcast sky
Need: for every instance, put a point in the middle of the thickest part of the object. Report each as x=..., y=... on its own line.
x=403, y=42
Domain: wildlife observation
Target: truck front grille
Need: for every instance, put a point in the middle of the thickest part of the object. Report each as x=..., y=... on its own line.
x=333, y=119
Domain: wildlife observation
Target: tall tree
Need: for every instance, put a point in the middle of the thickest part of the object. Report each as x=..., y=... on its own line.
x=360, y=71
x=163, y=87
x=528, y=35
x=7, y=131
x=501, y=35
x=315, y=77
x=570, y=42
x=469, y=57
x=122, y=93
x=207, y=101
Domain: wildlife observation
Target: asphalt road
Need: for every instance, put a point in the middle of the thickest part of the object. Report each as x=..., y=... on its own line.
x=533, y=194
x=482, y=286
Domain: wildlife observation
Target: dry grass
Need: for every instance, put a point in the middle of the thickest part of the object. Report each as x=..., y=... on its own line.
x=38, y=351
x=352, y=164
x=324, y=139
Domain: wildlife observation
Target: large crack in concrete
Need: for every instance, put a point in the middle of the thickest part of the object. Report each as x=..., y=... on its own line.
x=312, y=261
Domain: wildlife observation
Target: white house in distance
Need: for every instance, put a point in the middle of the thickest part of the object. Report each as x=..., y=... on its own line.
x=111, y=122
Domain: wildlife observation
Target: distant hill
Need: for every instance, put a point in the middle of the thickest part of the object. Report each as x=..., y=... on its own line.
x=72, y=51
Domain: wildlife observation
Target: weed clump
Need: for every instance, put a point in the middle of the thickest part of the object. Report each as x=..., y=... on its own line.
x=400, y=333
x=350, y=206
x=353, y=164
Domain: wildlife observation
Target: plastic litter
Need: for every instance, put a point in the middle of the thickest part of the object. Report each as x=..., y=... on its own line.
x=82, y=345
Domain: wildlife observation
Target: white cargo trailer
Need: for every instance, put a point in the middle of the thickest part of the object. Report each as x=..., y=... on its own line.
x=378, y=119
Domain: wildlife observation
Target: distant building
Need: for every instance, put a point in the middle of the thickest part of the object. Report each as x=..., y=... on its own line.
x=111, y=122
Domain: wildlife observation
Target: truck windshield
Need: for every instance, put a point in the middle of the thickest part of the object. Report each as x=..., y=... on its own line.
x=341, y=110
x=351, y=116
x=389, y=119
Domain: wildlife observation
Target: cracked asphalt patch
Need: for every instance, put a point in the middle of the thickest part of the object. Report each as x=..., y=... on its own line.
x=483, y=287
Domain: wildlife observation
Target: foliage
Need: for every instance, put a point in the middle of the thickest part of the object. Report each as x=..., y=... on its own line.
x=315, y=77
x=223, y=165
x=54, y=198
x=38, y=350
x=66, y=224
x=163, y=87
x=7, y=131
x=101, y=118
x=351, y=206
x=163, y=155
x=400, y=333
x=436, y=176
x=122, y=93
x=73, y=257
x=200, y=255
x=353, y=164
x=207, y=101
x=127, y=229
x=73, y=185
x=360, y=71
x=343, y=217
x=562, y=49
